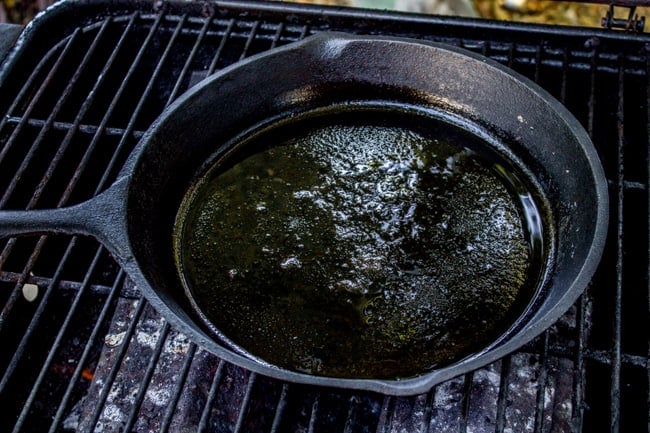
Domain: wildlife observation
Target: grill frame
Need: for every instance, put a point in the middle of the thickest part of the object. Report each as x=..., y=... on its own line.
x=619, y=55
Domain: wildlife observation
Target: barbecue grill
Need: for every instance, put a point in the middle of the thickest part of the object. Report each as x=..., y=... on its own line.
x=83, y=351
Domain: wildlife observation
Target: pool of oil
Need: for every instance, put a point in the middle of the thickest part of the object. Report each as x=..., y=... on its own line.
x=348, y=246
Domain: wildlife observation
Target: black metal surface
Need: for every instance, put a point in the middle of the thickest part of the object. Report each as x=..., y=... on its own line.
x=134, y=217
x=599, y=353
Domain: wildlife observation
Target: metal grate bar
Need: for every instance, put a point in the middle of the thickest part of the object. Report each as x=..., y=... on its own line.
x=108, y=304
x=541, y=390
x=511, y=55
x=65, y=126
x=20, y=352
x=591, y=104
x=39, y=93
x=37, y=314
x=565, y=76
x=179, y=27
x=31, y=261
x=249, y=41
x=207, y=409
x=631, y=185
x=56, y=159
x=190, y=58
x=428, y=409
x=41, y=242
x=245, y=402
x=99, y=289
x=578, y=377
x=304, y=32
x=83, y=163
x=467, y=386
x=111, y=108
x=603, y=357
x=349, y=419
x=502, y=400
x=112, y=374
x=577, y=399
x=57, y=341
x=50, y=120
x=387, y=412
x=151, y=367
x=485, y=48
x=27, y=86
x=217, y=55
x=277, y=35
x=279, y=409
x=615, y=395
x=178, y=389
x=579, y=380
x=136, y=112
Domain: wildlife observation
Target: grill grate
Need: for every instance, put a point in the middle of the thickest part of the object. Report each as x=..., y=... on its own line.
x=89, y=353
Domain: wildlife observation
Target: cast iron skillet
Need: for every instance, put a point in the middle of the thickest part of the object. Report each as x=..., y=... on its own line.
x=134, y=218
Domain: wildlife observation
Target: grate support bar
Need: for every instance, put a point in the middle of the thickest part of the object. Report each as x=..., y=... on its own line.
x=66, y=126
x=41, y=90
x=136, y=112
x=502, y=399
x=36, y=144
x=279, y=409
x=245, y=403
x=99, y=289
x=146, y=379
x=114, y=369
x=212, y=394
x=615, y=395
x=178, y=389
x=108, y=304
x=190, y=58
x=222, y=44
x=37, y=314
x=541, y=390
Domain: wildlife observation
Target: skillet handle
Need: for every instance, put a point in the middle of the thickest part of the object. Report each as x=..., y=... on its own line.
x=103, y=217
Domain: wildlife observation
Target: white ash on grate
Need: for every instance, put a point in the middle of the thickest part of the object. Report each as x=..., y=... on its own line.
x=121, y=398
x=520, y=400
x=525, y=373
x=451, y=406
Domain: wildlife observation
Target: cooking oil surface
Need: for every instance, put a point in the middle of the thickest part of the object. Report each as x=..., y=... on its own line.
x=355, y=249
